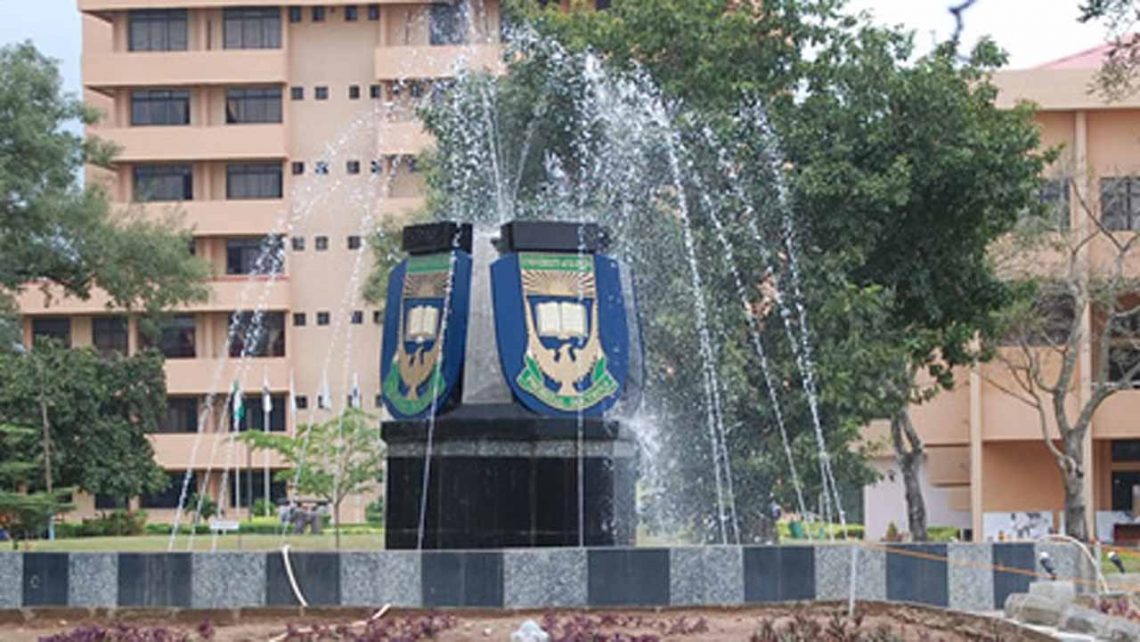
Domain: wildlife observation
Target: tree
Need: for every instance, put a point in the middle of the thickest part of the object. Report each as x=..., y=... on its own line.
x=52, y=230
x=1072, y=337
x=1117, y=73
x=901, y=177
x=92, y=414
x=332, y=460
x=24, y=512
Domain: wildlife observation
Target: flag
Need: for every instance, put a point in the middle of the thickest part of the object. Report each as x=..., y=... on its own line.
x=354, y=398
x=239, y=407
x=266, y=400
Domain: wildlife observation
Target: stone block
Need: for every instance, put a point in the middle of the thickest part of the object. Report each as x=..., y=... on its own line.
x=155, y=579
x=228, y=580
x=706, y=575
x=971, y=581
x=779, y=573
x=1120, y=630
x=1124, y=582
x=628, y=577
x=93, y=579
x=833, y=572
x=1015, y=566
x=1078, y=619
x=544, y=578
x=1033, y=609
x=376, y=579
x=11, y=580
x=1063, y=591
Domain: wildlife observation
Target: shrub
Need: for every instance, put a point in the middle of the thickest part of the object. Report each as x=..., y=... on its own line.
x=374, y=512
x=264, y=508
x=942, y=533
x=892, y=534
x=115, y=523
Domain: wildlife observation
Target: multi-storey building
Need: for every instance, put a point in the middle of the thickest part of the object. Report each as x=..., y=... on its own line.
x=987, y=467
x=280, y=132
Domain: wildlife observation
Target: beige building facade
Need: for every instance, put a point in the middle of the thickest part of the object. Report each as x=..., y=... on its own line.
x=988, y=470
x=280, y=133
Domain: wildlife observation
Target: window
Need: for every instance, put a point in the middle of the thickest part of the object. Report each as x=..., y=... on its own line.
x=350, y=14
x=255, y=255
x=318, y=14
x=417, y=89
x=321, y=243
x=299, y=320
x=379, y=401
x=1126, y=450
x=160, y=107
x=251, y=487
x=157, y=30
x=181, y=415
x=1123, y=488
x=106, y=502
x=252, y=28
x=258, y=335
x=322, y=318
x=354, y=242
x=253, y=105
x=294, y=14
x=374, y=91
x=298, y=168
x=297, y=93
x=255, y=416
x=172, y=336
x=377, y=317
x=376, y=166
x=357, y=317
x=253, y=180
x=302, y=402
x=374, y=12
x=1054, y=195
x=298, y=243
x=109, y=334
x=164, y=182
x=169, y=496
x=58, y=328
x=321, y=93
x=353, y=92
x=352, y=167
x=1124, y=361
x=448, y=25
x=321, y=168
x=1120, y=203
x=1050, y=323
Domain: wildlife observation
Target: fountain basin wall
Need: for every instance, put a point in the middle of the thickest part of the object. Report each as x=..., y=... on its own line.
x=961, y=576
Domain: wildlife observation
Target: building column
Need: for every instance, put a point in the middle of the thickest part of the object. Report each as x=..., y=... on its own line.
x=1081, y=183
x=976, y=505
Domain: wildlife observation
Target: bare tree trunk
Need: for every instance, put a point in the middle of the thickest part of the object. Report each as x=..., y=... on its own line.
x=336, y=522
x=1072, y=469
x=909, y=453
x=46, y=426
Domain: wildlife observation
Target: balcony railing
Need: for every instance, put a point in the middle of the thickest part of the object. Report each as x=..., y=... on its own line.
x=221, y=142
x=176, y=68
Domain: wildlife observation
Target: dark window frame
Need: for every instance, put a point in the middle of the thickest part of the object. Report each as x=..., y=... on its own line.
x=258, y=256
x=158, y=30
x=1120, y=203
x=254, y=181
x=253, y=105
x=182, y=414
x=175, y=337
x=43, y=327
x=251, y=28
x=153, y=183
x=265, y=340
x=116, y=328
x=160, y=107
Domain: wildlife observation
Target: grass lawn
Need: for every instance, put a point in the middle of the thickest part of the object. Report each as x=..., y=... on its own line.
x=229, y=542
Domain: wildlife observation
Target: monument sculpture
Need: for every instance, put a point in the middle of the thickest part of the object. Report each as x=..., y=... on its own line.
x=509, y=366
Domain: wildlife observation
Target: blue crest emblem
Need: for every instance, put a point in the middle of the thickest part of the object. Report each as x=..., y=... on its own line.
x=428, y=296
x=560, y=321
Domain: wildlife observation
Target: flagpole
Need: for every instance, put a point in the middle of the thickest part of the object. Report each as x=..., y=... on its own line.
x=266, y=410
x=235, y=430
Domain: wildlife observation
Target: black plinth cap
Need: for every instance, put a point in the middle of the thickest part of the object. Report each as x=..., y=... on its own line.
x=551, y=236
x=430, y=238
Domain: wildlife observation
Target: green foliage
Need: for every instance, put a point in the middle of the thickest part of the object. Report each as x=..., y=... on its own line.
x=118, y=523
x=25, y=507
x=99, y=410
x=54, y=230
x=203, y=505
x=340, y=457
x=386, y=244
x=264, y=508
x=374, y=512
x=943, y=533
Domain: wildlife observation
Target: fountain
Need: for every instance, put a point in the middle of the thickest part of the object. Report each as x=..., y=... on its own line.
x=509, y=366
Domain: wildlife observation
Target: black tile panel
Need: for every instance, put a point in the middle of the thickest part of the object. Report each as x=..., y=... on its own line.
x=628, y=577
x=1013, y=568
x=154, y=579
x=45, y=579
x=779, y=573
x=462, y=578
x=918, y=573
x=317, y=575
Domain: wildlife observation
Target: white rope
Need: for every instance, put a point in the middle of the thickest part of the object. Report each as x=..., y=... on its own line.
x=292, y=579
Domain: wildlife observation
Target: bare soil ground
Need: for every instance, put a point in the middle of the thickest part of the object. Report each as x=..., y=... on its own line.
x=903, y=622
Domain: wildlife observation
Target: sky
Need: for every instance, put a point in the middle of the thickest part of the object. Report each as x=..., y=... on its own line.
x=1032, y=31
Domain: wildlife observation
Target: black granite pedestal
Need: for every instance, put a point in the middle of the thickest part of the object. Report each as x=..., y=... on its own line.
x=503, y=477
